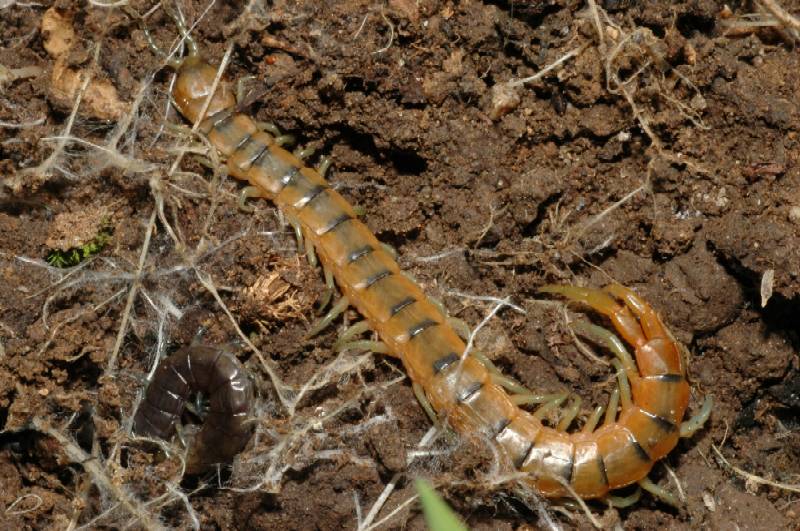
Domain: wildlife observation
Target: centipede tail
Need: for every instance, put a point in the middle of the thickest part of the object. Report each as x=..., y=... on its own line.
x=460, y=389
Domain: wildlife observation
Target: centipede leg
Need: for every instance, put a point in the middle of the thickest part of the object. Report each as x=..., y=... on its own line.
x=620, y=502
x=489, y=364
x=330, y=287
x=303, y=153
x=623, y=320
x=594, y=418
x=659, y=492
x=624, y=385
x=270, y=128
x=354, y=331
x=697, y=421
x=240, y=87
x=378, y=347
x=334, y=312
x=324, y=166
x=608, y=339
x=298, y=232
x=527, y=399
x=509, y=384
x=547, y=407
x=611, y=409
x=279, y=138
x=311, y=253
x=419, y=392
x=570, y=413
x=393, y=253
x=248, y=192
x=285, y=140
x=460, y=326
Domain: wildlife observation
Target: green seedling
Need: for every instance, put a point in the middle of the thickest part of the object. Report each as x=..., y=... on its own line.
x=438, y=515
x=76, y=255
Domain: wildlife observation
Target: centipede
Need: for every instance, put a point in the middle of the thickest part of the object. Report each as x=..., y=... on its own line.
x=643, y=421
x=217, y=374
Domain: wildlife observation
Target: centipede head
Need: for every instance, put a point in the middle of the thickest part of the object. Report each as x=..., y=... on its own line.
x=193, y=86
x=195, y=76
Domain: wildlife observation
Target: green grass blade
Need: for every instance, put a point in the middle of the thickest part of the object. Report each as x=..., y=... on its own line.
x=438, y=515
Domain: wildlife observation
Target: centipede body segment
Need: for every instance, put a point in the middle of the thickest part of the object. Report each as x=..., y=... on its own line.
x=460, y=389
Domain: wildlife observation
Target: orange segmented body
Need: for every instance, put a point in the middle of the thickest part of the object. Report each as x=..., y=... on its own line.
x=458, y=388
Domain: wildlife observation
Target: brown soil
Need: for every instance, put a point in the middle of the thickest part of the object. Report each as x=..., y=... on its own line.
x=683, y=182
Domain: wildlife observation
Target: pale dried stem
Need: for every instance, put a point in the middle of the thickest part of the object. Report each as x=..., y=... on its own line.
x=137, y=280
x=93, y=466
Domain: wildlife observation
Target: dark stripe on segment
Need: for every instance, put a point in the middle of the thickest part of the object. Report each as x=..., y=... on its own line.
x=640, y=452
x=405, y=303
x=664, y=424
x=312, y=194
x=376, y=277
x=218, y=118
x=255, y=158
x=263, y=152
x=288, y=178
x=469, y=391
x=244, y=141
x=671, y=378
x=571, y=471
x=501, y=425
x=336, y=222
x=601, y=464
x=358, y=253
x=525, y=455
x=420, y=326
x=444, y=362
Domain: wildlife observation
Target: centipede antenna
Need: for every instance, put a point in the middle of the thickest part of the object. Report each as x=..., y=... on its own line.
x=191, y=44
x=151, y=43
